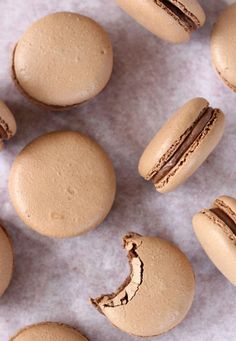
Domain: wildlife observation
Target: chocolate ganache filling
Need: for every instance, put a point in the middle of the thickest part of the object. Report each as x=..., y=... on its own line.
x=225, y=218
x=194, y=132
x=176, y=11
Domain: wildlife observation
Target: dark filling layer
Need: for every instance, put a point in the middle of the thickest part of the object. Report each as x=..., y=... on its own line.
x=225, y=218
x=196, y=130
x=3, y=134
x=191, y=25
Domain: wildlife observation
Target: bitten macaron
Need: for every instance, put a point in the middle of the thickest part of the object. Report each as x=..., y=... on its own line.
x=49, y=331
x=223, y=46
x=6, y=260
x=62, y=184
x=62, y=60
x=171, y=20
x=215, y=229
x=158, y=293
x=182, y=145
x=7, y=124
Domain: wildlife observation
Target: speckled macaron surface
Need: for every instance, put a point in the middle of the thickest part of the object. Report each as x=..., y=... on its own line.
x=172, y=20
x=159, y=292
x=7, y=122
x=6, y=261
x=62, y=60
x=223, y=46
x=49, y=332
x=62, y=184
x=215, y=229
x=182, y=145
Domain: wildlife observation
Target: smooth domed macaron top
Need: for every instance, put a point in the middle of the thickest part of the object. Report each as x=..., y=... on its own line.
x=62, y=184
x=170, y=132
x=162, y=22
x=161, y=293
x=6, y=261
x=7, y=122
x=49, y=332
x=216, y=236
x=223, y=46
x=63, y=59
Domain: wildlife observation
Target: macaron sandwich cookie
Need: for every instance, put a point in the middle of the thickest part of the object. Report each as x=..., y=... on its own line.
x=6, y=260
x=62, y=60
x=7, y=124
x=171, y=20
x=182, y=145
x=215, y=229
x=62, y=184
x=223, y=47
x=158, y=293
x=49, y=331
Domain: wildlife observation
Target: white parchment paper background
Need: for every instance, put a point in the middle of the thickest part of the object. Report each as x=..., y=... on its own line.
x=54, y=279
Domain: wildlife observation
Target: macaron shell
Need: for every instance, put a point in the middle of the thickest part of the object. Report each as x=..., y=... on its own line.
x=165, y=294
x=171, y=132
x=62, y=184
x=193, y=7
x=63, y=69
x=223, y=47
x=49, y=332
x=6, y=261
x=194, y=157
x=217, y=244
x=227, y=203
x=7, y=120
x=154, y=18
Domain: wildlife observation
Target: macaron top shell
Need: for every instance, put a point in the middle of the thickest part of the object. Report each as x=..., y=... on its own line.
x=7, y=122
x=49, y=332
x=62, y=184
x=223, y=46
x=154, y=16
x=216, y=237
x=6, y=261
x=161, y=289
x=63, y=60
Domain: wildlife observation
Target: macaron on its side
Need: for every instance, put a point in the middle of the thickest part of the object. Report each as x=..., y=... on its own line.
x=62, y=71
x=6, y=260
x=223, y=47
x=49, y=331
x=215, y=229
x=62, y=184
x=7, y=122
x=181, y=145
x=157, y=295
x=179, y=18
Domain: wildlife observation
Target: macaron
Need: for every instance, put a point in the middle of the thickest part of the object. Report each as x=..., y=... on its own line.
x=62, y=60
x=215, y=229
x=62, y=184
x=171, y=20
x=157, y=295
x=223, y=46
x=7, y=124
x=49, y=331
x=6, y=260
x=182, y=145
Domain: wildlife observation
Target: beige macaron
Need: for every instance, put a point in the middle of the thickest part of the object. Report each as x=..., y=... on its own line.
x=7, y=124
x=215, y=229
x=63, y=60
x=171, y=20
x=159, y=292
x=182, y=145
x=6, y=260
x=49, y=331
x=223, y=46
x=62, y=184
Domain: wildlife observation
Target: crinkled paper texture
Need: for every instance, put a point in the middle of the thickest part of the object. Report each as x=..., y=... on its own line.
x=53, y=279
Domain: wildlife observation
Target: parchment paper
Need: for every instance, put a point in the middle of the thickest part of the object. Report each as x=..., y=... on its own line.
x=53, y=279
